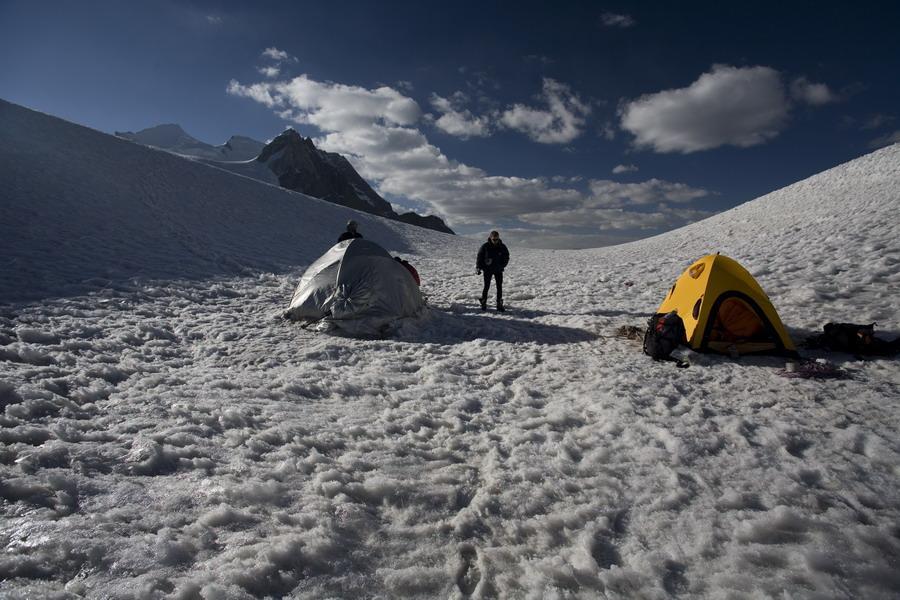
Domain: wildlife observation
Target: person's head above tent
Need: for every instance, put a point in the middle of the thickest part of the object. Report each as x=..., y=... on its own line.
x=351, y=233
x=357, y=287
x=725, y=310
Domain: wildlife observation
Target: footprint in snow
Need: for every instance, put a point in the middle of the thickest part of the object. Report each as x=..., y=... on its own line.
x=797, y=446
x=468, y=575
x=673, y=580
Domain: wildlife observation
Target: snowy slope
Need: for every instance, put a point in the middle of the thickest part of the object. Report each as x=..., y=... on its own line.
x=81, y=209
x=166, y=435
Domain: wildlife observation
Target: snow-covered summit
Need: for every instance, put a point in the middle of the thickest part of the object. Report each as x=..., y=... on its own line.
x=165, y=434
x=173, y=138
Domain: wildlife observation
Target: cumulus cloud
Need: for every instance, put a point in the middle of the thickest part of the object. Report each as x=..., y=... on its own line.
x=886, y=140
x=331, y=106
x=624, y=169
x=604, y=220
x=726, y=106
x=374, y=129
x=457, y=120
x=542, y=237
x=877, y=121
x=377, y=130
x=275, y=54
x=566, y=179
x=617, y=219
x=270, y=72
x=540, y=59
x=606, y=193
x=815, y=94
x=608, y=131
x=616, y=20
x=560, y=123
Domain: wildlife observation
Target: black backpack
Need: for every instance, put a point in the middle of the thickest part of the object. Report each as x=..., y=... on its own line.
x=855, y=339
x=665, y=332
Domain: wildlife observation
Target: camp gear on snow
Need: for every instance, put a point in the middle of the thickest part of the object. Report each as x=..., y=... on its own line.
x=813, y=369
x=665, y=332
x=358, y=287
x=853, y=339
x=725, y=310
x=630, y=332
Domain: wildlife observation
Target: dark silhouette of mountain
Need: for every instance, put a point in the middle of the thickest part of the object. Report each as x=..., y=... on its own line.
x=302, y=167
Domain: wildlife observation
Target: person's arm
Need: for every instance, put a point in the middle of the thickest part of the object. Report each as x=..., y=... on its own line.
x=479, y=261
x=505, y=255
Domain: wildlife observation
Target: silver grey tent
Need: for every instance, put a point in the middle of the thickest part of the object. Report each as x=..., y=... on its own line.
x=357, y=287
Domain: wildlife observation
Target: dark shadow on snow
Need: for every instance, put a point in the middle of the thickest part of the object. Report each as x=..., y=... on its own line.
x=533, y=313
x=443, y=327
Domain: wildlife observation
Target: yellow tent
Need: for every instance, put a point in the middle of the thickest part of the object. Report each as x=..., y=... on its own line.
x=725, y=310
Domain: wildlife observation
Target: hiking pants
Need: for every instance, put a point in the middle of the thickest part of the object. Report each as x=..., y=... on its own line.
x=487, y=285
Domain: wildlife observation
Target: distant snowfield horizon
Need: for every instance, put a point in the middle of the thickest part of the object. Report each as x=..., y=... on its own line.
x=166, y=434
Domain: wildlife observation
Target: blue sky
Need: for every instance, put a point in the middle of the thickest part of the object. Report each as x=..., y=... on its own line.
x=572, y=125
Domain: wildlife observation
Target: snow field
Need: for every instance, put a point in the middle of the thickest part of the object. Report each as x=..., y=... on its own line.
x=170, y=437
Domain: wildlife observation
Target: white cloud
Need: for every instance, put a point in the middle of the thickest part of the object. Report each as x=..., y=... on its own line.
x=560, y=123
x=540, y=59
x=616, y=20
x=275, y=54
x=457, y=120
x=726, y=106
x=877, y=121
x=606, y=193
x=815, y=94
x=376, y=129
x=541, y=237
x=331, y=106
x=270, y=72
x=660, y=218
x=599, y=218
x=624, y=169
x=886, y=140
x=566, y=179
x=213, y=20
x=608, y=131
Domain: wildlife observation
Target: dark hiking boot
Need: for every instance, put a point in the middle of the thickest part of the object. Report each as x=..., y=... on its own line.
x=500, y=307
x=483, y=304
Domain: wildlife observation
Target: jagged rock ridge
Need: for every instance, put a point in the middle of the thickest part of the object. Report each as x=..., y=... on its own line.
x=302, y=167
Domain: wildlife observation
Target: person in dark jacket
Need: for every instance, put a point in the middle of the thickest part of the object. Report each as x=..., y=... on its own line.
x=492, y=259
x=351, y=232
